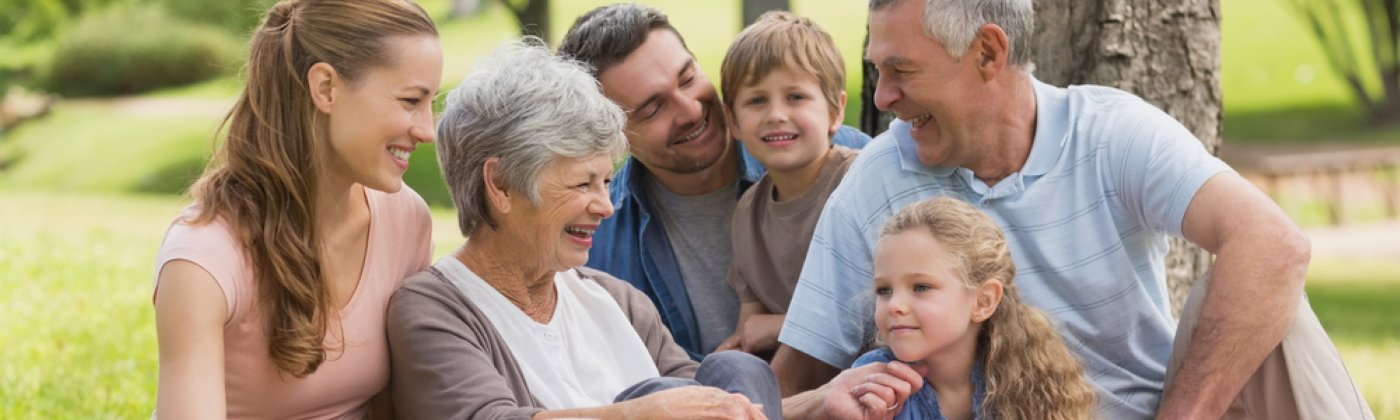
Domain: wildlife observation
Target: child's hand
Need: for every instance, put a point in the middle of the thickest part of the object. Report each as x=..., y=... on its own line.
x=734, y=342
x=760, y=333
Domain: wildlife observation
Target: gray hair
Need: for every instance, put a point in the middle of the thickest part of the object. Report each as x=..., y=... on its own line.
x=954, y=24
x=529, y=108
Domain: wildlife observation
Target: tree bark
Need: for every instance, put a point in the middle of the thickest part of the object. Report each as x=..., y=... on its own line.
x=755, y=8
x=1165, y=51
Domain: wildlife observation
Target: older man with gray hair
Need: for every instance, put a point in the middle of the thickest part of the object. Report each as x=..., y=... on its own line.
x=1087, y=182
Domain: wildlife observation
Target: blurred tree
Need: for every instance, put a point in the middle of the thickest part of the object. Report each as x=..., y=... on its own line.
x=462, y=9
x=1165, y=51
x=755, y=8
x=532, y=15
x=1375, y=56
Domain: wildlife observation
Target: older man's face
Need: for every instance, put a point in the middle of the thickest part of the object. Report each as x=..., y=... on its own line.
x=924, y=85
x=674, y=119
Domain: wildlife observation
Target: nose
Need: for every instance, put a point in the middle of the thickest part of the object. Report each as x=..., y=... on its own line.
x=777, y=113
x=886, y=93
x=898, y=305
x=422, y=129
x=602, y=204
x=690, y=107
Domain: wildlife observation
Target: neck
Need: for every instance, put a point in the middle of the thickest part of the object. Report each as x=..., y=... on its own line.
x=1011, y=128
x=705, y=181
x=793, y=183
x=950, y=371
x=339, y=204
x=488, y=254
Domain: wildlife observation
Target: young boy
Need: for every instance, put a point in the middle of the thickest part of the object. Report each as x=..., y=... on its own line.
x=783, y=82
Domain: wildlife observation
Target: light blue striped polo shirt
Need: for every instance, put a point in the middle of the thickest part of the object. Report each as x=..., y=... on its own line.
x=1109, y=176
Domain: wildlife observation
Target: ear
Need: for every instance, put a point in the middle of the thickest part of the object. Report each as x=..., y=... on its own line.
x=989, y=51
x=730, y=122
x=838, y=118
x=988, y=297
x=496, y=191
x=322, y=80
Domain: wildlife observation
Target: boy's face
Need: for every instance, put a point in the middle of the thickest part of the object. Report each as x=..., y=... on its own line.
x=784, y=120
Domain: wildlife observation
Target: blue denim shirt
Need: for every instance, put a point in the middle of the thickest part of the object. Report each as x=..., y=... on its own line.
x=923, y=404
x=632, y=244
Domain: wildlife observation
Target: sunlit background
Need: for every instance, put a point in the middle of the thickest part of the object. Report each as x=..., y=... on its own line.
x=110, y=107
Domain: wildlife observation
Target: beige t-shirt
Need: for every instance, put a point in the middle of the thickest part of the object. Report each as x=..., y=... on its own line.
x=771, y=237
x=400, y=244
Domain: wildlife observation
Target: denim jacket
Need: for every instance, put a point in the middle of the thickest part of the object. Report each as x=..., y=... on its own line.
x=632, y=244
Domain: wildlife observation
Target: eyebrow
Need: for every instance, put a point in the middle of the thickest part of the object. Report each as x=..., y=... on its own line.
x=424, y=90
x=894, y=61
x=654, y=97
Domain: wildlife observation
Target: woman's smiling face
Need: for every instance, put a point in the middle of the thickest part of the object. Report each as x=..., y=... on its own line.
x=573, y=200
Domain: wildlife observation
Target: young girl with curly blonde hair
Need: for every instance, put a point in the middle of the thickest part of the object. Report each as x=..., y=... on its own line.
x=946, y=297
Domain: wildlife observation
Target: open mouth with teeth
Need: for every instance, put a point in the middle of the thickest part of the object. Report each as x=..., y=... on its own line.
x=918, y=122
x=699, y=128
x=401, y=154
x=579, y=232
x=784, y=137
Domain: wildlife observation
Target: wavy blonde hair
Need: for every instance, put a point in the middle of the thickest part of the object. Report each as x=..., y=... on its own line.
x=1031, y=374
x=263, y=180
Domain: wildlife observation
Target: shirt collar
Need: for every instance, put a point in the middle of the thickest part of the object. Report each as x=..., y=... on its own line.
x=1051, y=132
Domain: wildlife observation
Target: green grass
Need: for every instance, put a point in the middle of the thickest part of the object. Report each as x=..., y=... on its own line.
x=78, y=326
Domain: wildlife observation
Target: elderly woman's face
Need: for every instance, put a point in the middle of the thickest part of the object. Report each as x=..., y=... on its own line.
x=573, y=199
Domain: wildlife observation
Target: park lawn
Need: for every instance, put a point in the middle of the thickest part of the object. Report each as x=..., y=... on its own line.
x=77, y=321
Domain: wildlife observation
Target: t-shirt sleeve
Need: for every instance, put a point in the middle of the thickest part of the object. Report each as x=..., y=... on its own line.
x=1158, y=167
x=211, y=247
x=827, y=318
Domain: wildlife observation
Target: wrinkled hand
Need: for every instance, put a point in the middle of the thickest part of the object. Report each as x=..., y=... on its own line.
x=760, y=333
x=696, y=403
x=876, y=391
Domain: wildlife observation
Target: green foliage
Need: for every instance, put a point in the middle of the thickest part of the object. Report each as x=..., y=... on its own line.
x=137, y=48
x=236, y=16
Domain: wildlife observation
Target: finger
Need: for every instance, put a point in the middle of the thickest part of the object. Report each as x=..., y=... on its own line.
x=873, y=404
x=885, y=394
x=914, y=374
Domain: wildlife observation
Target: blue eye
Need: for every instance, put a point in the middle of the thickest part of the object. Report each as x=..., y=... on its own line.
x=921, y=287
x=883, y=290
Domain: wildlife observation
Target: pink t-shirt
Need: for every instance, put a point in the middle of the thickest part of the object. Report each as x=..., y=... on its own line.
x=400, y=244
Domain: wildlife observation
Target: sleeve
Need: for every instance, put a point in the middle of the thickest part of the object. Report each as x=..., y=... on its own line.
x=443, y=365
x=739, y=230
x=211, y=247
x=1158, y=167
x=671, y=360
x=828, y=316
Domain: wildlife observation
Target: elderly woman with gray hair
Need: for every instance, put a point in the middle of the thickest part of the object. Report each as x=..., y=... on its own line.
x=510, y=325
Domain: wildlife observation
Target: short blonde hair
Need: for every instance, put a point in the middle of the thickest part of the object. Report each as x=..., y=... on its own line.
x=777, y=40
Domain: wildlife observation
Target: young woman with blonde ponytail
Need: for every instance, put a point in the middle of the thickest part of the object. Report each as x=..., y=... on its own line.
x=271, y=288
x=945, y=297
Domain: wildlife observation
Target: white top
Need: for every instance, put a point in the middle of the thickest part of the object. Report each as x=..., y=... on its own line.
x=587, y=353
x=1108, y=179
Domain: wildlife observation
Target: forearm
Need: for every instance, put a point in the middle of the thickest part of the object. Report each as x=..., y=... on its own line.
x=806, y=406
x=798, y=372
x=1249, y=305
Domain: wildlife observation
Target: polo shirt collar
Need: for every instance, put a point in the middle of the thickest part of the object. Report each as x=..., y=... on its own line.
x=1051, y=132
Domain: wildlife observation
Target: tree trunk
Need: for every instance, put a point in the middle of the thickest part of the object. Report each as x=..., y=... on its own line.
x=1165, y=51
x=533, y=16
x=755, y=8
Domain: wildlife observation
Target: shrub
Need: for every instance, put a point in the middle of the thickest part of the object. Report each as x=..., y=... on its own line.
x=137, y=48
x=237, y=16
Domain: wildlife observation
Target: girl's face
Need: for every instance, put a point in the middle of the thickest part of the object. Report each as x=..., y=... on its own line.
x=377, y=121
x=923, y=308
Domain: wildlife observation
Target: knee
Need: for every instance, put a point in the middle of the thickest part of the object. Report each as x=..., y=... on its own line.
x=733, y=359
